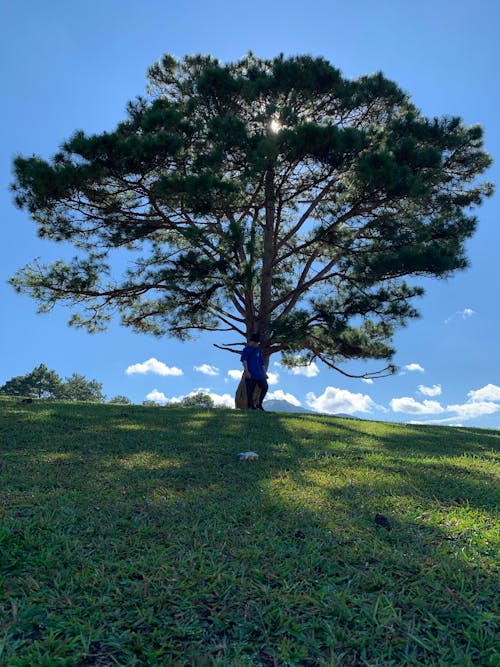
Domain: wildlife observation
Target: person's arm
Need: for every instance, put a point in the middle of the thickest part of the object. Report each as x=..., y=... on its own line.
x=261, y=359
x=244, y=360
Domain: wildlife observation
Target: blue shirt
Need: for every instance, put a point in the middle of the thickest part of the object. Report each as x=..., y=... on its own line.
x=255, y=362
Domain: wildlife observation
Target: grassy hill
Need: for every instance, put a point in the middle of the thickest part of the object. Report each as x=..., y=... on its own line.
x=133, y=536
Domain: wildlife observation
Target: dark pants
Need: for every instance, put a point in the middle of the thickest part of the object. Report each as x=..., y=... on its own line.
x=251, y=384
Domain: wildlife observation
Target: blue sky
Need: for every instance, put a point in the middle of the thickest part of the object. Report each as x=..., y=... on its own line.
x=74, y=65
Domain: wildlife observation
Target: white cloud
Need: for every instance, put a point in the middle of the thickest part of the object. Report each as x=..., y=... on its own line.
x=206, y=369
x=235, y=374
x=432, y=422
x=280, y=395
x=490, y=392
x=410, y=405
x=464, y=412
x=153, y=366
x=367, y=380
x=413, y=367
x=474, y=409
x=222, y=400
x=334, y=400
x=464, y=314
x=157, y=396
x=309, y=371
x=435, y=390
x=273, y=378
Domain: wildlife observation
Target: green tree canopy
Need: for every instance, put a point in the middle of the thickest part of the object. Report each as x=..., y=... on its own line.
x=261, y=195
x=199, y=400
x=120, y=400
x=40, y=383
x=78, y=388
x=43, y=383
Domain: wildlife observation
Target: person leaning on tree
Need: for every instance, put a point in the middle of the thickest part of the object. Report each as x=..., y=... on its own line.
x=254, y=371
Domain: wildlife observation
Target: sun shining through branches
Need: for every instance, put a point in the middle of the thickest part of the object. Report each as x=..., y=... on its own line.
x=275, y=126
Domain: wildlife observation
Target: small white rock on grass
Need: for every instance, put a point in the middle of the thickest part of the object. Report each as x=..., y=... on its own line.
x=247, y=456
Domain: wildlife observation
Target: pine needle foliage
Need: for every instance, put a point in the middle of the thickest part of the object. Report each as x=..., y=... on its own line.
x=260, y=195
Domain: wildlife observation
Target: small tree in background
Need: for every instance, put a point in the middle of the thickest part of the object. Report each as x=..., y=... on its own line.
x=40, y=383
x=43, y=383
x=199, y=400
x=78, y=388
x=264, y=195
x=120, y=400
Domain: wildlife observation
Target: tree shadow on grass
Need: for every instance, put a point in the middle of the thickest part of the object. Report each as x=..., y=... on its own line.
x=183, y=451
x=149, y=518
x=438, y=441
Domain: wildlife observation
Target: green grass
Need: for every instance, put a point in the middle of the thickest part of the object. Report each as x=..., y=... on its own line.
x=133, y=536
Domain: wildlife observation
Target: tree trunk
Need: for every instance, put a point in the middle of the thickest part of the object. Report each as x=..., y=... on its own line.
x=240, y=399
x=264, y=314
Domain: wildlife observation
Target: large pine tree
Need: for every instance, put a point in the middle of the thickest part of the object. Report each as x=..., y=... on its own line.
x=263, y=195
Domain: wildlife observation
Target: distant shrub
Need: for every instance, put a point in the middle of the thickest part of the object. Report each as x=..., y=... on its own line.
x=199, y=400
x=120, y=400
